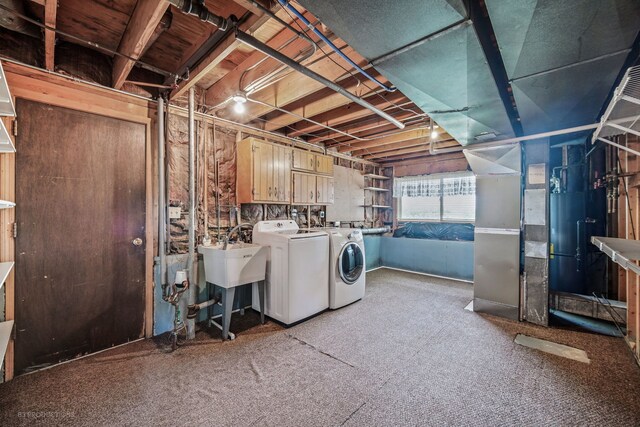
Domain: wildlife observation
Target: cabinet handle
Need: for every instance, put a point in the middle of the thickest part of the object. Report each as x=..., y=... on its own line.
x=318, y=164
x=311, y=162
x=270, y=192
x=317, y=195
x=311, y=195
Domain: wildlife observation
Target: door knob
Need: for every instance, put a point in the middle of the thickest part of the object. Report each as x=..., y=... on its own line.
x=137, y=241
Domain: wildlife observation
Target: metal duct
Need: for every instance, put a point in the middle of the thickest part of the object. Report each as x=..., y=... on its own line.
x=563, y=57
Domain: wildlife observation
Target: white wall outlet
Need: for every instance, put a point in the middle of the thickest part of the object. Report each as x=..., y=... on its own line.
x=175, y=212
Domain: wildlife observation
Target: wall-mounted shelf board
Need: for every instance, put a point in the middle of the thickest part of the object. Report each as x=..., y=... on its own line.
x=376, y=206
x=622, y=251
x=6, y=144
x=5, y=269
x=6, y=101
x=6, y=205
x=382, y=190
x=374, y=176
x=5, y=336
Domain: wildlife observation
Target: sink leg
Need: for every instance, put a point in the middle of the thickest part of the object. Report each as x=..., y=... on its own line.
x=227, y=306
x=262, y=296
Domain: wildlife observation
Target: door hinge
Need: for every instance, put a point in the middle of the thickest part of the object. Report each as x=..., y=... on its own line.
x=15, y=230
x=14, y=127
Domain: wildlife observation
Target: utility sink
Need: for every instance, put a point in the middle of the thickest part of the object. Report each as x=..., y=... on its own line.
x=239, y=264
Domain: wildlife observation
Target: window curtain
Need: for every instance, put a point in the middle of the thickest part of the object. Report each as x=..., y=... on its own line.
x=453, y=184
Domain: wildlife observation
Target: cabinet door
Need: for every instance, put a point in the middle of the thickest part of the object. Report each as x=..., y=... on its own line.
x=312, y=189
x=277, y=173
x=324, y=164
x=300, y=188
x=330, y=191
x=303, y=160
x=262, y=172
x=286, y=175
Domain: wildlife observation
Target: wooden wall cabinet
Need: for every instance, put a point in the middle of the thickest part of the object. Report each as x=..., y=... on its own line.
x=312, y=189
x=264, y=172
x=308, y=161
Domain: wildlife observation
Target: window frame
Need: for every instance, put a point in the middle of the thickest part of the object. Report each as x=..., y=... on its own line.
x=440, y=177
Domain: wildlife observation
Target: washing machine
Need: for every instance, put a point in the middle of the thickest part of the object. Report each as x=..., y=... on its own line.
x=297, y=274
x=347, y=271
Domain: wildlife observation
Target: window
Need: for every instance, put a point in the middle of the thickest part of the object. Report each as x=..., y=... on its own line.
x=442, y=197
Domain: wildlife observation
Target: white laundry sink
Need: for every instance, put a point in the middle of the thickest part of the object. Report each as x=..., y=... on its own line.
x=239, y=264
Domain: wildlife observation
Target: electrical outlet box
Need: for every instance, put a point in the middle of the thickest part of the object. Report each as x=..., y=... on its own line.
x=175, y=212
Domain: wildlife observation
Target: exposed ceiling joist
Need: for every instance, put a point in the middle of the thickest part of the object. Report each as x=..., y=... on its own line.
x=50, y=14
x=310, y=107
x=296, y=86
x=211, y=60
x=229, y=85
x=424, y=147
x=140, y=29
x=368, y=126
x=350, y=112
x=391, y=147
x=420, y=133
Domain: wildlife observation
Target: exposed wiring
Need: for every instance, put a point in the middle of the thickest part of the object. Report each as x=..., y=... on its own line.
x=626, y=193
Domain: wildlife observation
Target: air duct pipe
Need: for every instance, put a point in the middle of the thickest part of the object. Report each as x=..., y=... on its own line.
x=379, y=230
x=191, y=296
x=194, y=7
x=162, y=220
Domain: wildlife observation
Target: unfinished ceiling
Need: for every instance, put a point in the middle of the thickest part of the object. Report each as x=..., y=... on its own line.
x=482, y=71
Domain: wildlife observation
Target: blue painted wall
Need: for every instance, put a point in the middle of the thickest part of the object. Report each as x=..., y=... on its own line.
x=439, y=257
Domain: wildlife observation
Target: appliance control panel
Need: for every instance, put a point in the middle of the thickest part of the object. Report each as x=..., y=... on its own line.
x=276, y=226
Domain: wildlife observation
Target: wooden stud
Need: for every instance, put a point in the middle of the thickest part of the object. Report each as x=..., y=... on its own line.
x=50, y=12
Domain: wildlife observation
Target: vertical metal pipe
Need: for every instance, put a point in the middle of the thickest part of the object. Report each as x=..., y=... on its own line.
x=162, y=226
x=191, y=325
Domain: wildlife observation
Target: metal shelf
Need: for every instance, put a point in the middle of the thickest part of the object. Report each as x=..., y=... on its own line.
x=6, y=205
x=622, y=115
x=382, y=190
x=374, y=176
x=5, y=269
x=6, y=101
x=5, y=336
x=6, y=143
x=622, y=251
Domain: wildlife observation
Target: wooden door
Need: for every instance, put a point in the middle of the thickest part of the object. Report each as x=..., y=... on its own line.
x=80, y=279
x=325, y=191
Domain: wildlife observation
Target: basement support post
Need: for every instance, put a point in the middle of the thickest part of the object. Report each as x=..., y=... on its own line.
x=191, y=298
x=162, y=209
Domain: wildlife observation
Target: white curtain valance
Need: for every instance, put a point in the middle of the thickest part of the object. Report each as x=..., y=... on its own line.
x=453, y=184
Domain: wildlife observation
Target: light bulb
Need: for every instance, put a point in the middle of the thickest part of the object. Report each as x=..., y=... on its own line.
x=239, y=107
x=434, y=134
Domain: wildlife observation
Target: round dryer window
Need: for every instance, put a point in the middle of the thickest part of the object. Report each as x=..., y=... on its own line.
x=351, y=263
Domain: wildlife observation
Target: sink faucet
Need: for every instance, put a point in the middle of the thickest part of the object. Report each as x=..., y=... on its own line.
x=233, y=230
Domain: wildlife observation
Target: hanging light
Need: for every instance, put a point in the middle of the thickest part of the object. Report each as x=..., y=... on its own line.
x=240, y=99
x=434, y=132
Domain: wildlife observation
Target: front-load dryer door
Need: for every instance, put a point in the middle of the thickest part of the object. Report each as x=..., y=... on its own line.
x=351, y=262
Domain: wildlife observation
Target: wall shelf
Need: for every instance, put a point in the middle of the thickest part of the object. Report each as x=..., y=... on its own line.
x=6, y=205
x=5, y=269
x=375, y=176
x=6, y=143
x=5, y=336
x=381, y=190
x=6, y=101
x=621, y=251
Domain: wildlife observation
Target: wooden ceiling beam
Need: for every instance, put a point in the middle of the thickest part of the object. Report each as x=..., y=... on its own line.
x=362, y=128
x=348, y=113
x=140, y=29
x=296, y=85
x=420, y=148
x=50, y=14
x=390, y=147
x=420, y=133
x=212, y=59
x=314, y=104
x=229, y=85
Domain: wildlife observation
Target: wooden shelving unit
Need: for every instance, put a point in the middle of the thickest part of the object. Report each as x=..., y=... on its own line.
x=375, y=196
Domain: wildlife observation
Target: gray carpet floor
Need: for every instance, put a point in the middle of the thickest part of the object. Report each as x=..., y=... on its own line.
x=407, y=354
